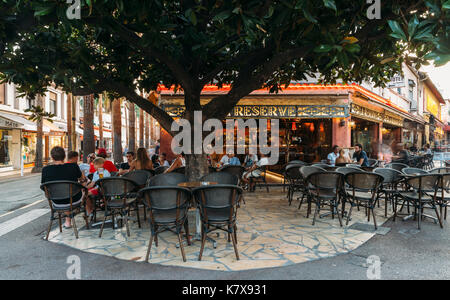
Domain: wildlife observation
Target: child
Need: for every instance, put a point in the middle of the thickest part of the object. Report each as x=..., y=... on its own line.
x=99, y=173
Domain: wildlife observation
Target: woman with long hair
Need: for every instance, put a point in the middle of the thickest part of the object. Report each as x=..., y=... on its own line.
x=142, y=161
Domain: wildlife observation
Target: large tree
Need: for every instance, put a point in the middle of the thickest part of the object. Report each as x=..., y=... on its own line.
x=126, y=46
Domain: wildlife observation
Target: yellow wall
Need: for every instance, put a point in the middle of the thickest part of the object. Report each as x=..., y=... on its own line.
x=432, y=104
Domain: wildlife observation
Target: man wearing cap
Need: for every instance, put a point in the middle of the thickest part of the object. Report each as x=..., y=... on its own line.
x=108, y=165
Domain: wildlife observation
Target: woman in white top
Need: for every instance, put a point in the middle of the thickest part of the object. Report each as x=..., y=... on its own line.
x=179, y=162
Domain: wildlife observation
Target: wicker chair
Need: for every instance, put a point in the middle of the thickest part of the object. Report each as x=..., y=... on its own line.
x=305, y=172
x=325, y=190
x=397, y=166
x=119, y=196
x=167, y=207
x=391, y=179
x=295, y=180
x=167, y=179
x=60, y=191
x=363, y=190
x=443, y=195
x=238, y=171
x=160, y=170
x=413, y=171
x=421, y=193
x=180, y=170
x=218, y=210
x=141, y=177
x=347, y=170
x=440, y=170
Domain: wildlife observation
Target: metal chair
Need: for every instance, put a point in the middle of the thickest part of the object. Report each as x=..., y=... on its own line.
x=362, y=190
x=443, y=195
x=218, y=207
x=356, y=166
x=305, y=172
x=320, y=165
x=325, y=190
x=295, y=180
x=60, y=195
x=141, y=177
x=397, y=166
x=347, y=170
x=261, y=178
x=221, y=178
x=421, y=193
x=413, y=171
x=238, y=171
x=167, y=179
x=160, y=170
x=212, y=169
x=391, y=179
x=373, y=162
x=119, y=196
x=167, y=207
x=298, y=162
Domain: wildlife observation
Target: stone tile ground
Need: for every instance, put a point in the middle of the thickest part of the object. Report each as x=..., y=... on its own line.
x=270, y=234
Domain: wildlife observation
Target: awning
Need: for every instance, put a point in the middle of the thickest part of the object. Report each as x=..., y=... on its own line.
x=53, y=129
x=106, y=134
x=25, y=124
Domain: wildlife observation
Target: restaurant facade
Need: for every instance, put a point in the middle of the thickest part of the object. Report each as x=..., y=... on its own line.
x=312, y=118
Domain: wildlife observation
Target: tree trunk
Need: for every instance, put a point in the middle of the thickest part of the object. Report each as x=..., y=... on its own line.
x=196, y=166
x=127, y=131
x=88, y=124
x=117, y=131
x=39, y=136
x=69, y=123
x=131, y=127
x=100, y=121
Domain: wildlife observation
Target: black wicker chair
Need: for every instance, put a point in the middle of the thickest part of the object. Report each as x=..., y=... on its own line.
x=60, y=195
x=440, y=170
x=221, y=178
x=119, y=196
x=141, y=177
x=180, y=170
x=421, y=193
x=305, y=172
x=167, y=207
x=397, y=166
x=347, y=170
x=238, y=171
x=443, y=195
x=218, y=209
x=325, y=190
x=414, y=171
x=160, y=170
x=391, y=180
x=362, y=190
x=167, y=179
x=295, y=180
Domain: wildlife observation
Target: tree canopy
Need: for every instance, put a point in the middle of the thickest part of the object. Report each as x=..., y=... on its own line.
x=125, y=46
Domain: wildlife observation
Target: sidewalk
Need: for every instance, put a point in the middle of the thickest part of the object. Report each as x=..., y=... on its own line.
x=9, y=175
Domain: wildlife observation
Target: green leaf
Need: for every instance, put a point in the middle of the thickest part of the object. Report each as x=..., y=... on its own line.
x=412, y=26
x=397, y=30
x=43, y=11
x=323, y=48
x=308, y=16
x=330, y=4
x=446, y=5
x=222, y=16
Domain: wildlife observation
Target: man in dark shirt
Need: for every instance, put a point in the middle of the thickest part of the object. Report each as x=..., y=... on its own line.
x=62, y=171
x=402, y=155
x=361, y=156
x=125, y=167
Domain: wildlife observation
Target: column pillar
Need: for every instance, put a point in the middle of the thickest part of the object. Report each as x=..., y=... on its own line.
x=341, y=134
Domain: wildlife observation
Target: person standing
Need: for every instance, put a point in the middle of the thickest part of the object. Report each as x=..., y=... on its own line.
x=331, y=158
x=360, y=156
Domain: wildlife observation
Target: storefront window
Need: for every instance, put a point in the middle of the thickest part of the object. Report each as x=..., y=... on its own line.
x=5, y=147
x=363, y=133
x=29, y=146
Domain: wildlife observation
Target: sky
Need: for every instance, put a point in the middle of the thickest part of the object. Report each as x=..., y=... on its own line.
x=440, y=77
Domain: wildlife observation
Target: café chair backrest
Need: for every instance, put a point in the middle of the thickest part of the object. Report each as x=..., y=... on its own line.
x=61, y=190
x=221, y=178
x=397, y=166
x=347, y=170
x=238, y=171
x=327, y=181
x=424, y=183
x=390, y=175
x=308, y=170
x=413, y=171
x=298, y=162
x=117, y=186
x=141, y=177
x=292, y=172
x=167, y=179
x=181, y=170
x=440, y=171
x=160, y=170
x=364, y=181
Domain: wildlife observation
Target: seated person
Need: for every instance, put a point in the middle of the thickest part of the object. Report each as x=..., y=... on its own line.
x=250, y=159
x=254, y=172
x=234, y=161
x=360, y=156
x=87, y=167
x=331, y=158
x=108, y=165
x=225, y=160
x=402, y=155
x=342, y=158
x=72, y=158
x=179, y=162
x=125, y=167
x=155, y=161
x=62, y=171
x=99, y=173
x=142, y=161
x=163, y=160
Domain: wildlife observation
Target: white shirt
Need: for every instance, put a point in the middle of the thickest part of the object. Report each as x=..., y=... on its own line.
x=96, y=176
x=264, y=161
x=332, y=158
x=225, y=160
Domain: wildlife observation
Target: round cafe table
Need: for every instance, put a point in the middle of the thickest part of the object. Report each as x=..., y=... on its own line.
x=198, y=224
